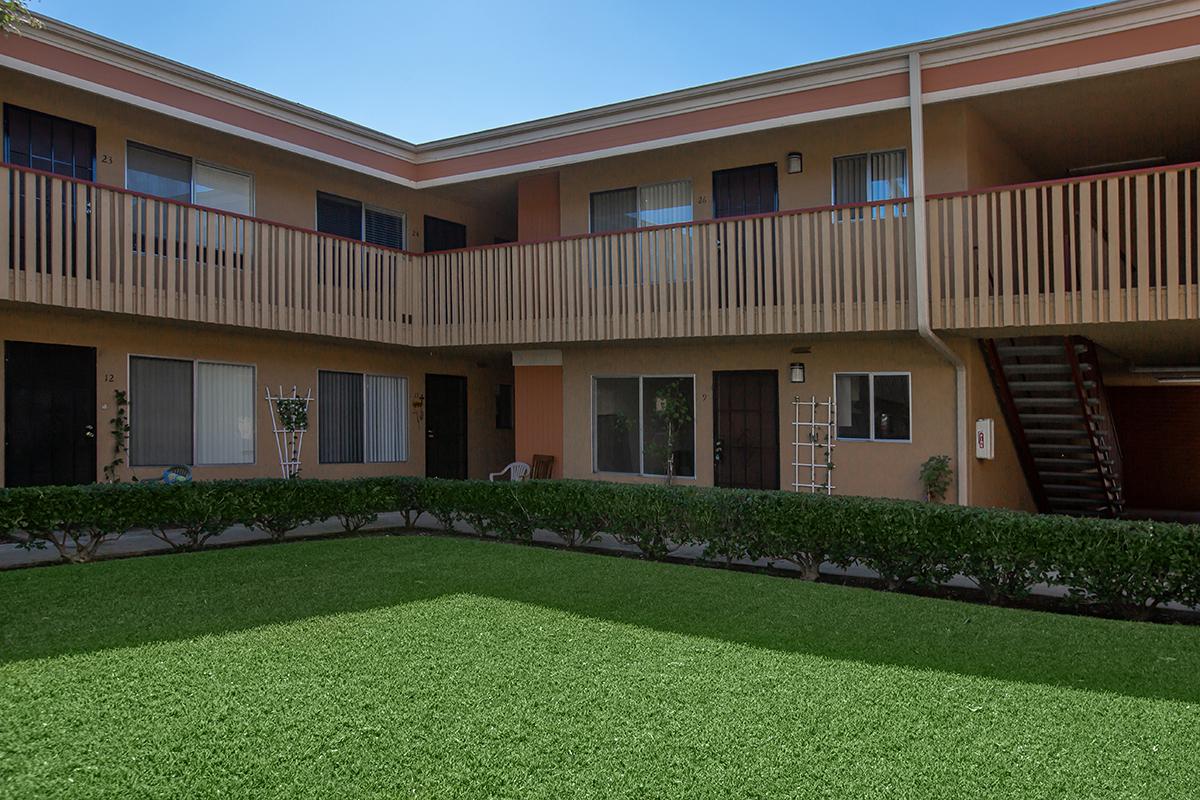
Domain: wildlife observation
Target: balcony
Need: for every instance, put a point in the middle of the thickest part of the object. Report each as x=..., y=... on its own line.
x=1113, y=248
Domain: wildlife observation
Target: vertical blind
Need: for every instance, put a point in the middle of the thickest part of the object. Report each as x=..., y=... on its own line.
x=158, y=173
x=224, y=414
x=339, y=216
x=656, y=204
x=870, y=176
x=340, y=414
x=160, y=412
x=665, y=203
x=223, y=189
x=386, y=418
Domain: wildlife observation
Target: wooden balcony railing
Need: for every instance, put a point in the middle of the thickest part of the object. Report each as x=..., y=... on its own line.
x=84, y=246
x=1110, y=248
x=825, y=270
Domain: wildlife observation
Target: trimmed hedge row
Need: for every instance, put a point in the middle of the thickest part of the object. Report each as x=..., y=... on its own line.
x=1128, y=566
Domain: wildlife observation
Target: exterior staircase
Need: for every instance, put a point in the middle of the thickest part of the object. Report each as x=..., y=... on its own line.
x=1053, y=399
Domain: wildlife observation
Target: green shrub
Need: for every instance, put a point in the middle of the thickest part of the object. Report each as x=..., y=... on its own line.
x=1126, y=566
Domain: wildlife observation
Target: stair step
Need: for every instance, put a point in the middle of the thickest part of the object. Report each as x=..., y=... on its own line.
x=1052, y=401
x=1057, y=432
x=1090, y=476
x=1042, y=417
x=1041, y=385
x=1073, y=488
x=1046, y=368
x=1065, y=448
x=1074, y=501
x=1058, y=462
x=1035, y=349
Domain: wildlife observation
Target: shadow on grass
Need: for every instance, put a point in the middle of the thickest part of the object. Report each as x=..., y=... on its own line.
x=78, y=609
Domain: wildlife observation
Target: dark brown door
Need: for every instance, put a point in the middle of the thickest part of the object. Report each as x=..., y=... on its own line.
x=445, y=426
x=1159, y=431
x=49, y=414
x=442, y=234
x=745, y=190
x=746, y=429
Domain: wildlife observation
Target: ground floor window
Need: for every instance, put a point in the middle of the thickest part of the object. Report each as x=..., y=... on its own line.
x=185, y=412
x=363, y=418
x=875, y=406
x=642, y=421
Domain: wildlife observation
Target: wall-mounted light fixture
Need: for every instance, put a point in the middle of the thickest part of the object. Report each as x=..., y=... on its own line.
x=795, y=163
x=796, y=372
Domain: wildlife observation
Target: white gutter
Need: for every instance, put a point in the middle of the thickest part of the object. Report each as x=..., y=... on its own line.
x=921, y=272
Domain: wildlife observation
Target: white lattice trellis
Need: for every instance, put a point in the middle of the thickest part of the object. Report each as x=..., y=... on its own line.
x=813, y=441
x=288, y=439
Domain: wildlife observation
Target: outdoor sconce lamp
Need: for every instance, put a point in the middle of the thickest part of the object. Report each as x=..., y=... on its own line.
x=796, y=372
x=795, y=163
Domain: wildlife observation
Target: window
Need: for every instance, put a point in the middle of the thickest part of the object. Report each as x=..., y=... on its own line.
x=184, y=180
x=341, y=216
x=867, y=177
x=642, y=206
x=51, y=144
x=504, y=407
x=185, y=412
x=874, y=406
x=363, y=418
x=631, y=424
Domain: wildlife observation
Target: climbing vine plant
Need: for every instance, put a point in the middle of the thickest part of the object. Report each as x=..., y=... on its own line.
x=118, y=427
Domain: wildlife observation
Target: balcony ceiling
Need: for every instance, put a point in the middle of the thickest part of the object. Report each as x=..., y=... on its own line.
x=1117, y=118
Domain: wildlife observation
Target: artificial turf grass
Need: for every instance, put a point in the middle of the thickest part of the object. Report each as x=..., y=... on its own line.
x=459, y=668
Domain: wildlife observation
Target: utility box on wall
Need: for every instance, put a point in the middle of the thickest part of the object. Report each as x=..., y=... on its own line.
x=985, y=439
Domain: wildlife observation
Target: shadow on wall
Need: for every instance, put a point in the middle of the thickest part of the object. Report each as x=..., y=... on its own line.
x=129, y=602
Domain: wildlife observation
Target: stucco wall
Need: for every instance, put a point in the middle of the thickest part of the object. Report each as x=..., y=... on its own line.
x=285, y=184
x=279, y=361
x=888, y=469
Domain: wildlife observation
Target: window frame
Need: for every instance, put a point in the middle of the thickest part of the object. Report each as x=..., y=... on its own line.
x=363, y=207
x=871, y=404
x=195, y=362
x=867, y=154
x=363, y=432
x=192, y=162
x=641, y=379
x=637, y=205
x=5, y=146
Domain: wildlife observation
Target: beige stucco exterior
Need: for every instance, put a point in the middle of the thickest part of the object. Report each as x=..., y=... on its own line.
x=285, y=184
x=279, y=361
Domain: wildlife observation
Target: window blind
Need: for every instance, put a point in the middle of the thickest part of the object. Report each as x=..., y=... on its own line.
x=386, y=431
x=224, y=414
x=889, y=175
x=616, y=210
x=158, y=173
x=850, y=179
x=340, y=417
x=384, y=228
x=339, y=216
x=160, y=412
x=665, y=203
x=223, y=189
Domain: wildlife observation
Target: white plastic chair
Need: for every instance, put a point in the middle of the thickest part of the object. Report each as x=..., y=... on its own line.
x=517, y=471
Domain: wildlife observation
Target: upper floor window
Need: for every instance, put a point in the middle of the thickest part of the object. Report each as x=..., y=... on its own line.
x=51, y=144
x=641, y=206
x=183, y=179
x=866, y=177
x=341, y=216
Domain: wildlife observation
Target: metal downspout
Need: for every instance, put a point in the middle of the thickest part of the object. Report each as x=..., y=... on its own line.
x=921, y=272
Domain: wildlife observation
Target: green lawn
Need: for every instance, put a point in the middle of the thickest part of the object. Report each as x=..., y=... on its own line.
x=436, y=667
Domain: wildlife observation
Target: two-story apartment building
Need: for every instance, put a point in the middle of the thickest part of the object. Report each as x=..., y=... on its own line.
x=983, y=246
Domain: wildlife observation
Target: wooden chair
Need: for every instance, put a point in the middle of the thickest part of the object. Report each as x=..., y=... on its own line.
x=517, y=471
x=543, y=467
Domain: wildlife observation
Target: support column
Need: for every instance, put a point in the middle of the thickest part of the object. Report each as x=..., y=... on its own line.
x=538, y=406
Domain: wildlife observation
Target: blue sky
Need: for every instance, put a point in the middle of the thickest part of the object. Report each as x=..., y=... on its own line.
x=429, y=70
